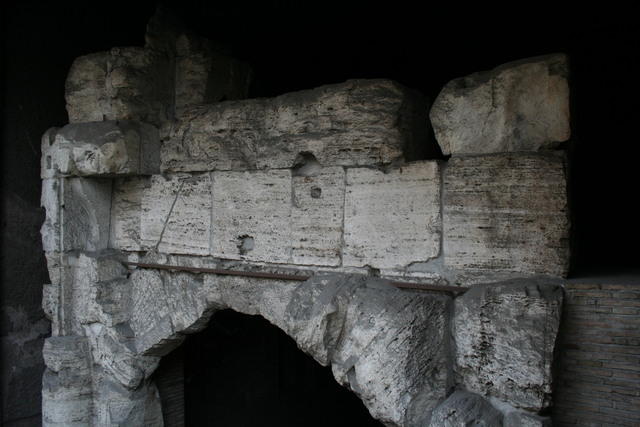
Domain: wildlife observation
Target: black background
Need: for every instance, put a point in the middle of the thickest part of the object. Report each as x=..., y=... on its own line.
x=301, y=44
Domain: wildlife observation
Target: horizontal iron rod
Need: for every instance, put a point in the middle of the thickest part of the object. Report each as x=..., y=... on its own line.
x=293, y=277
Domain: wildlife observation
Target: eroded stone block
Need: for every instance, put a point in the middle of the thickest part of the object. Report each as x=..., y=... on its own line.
x=131, y=83
x=505, y=335
x=66, y=383
x=101, y=149
x=183, y=203
x=252, y=215
x=360, y=122
x=506, y=213
x=519, y=106
x=392, y=219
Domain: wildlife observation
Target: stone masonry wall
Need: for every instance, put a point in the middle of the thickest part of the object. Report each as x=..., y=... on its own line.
x=331, y=180
x=599, y=371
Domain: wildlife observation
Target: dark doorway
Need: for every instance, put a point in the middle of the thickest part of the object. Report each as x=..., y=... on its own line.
x=242, y=371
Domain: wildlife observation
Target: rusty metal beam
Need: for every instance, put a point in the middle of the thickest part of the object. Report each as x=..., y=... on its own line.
x=292, y=277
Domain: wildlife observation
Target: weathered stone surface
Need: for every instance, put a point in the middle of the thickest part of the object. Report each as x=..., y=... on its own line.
x=51, y=306
x=77, y=214
x=188, y=224
x=131, y=83
x=86, y=214
x=317, y=216
x=366, y=330
x=392, y=219
x=252, y=215
x=519, y=106
x=360, y=122
x=463, y=409
x=204, y=76
x=50, y=230
x=163, y=305
x=506, y=214
x=523, y=419
x=126, y=213
x=101, y=149
x=66, y=384
x=505, y=335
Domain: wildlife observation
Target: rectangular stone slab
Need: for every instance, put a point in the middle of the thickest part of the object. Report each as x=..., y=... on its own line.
x=252, y=215
x=317, y=216
x=506, y=213
x=392, y=219
x=126, y=213
x=189, y=225
x=359, y=122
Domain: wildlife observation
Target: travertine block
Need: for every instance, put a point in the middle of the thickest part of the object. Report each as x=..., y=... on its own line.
x=316, y=217
x=101, y=149
x=126, y=213
x=519, y=106
x=131, y=83
x=505, y=336
x=252, y=215
x=188, y=224
x=506, y=214
x=360, y=122
x=392, y=219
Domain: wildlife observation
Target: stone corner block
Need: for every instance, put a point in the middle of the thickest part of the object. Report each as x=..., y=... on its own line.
x=519, y=106
x=110, y=148
x=505, y=336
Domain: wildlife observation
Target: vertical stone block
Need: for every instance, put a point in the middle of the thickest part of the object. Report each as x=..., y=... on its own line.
x=188, y=224
x=506, y=213
x=392, y=219
x=126, y=213
x=252, y=215
x=317, y=216
x=86, y=214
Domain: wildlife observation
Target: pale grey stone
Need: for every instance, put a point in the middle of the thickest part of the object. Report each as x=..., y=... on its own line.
x=506, y=214
x=252, y=215
x=51, y=305
x=86, y=214
x=131, y=83
x=366, y=330
x=523, y=419
x=101, y=149
x=464, y=409
x=505, y=335
x=519, y=106
x=188, y=224
x=66, y=383
x=317, y=216
x=360, y=122
x=126, y=213
x=50, y=230
x=162, y=305
x=77, y=214
x=392, y=219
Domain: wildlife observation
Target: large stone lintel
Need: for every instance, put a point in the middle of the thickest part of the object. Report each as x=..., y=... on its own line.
x=360, y=122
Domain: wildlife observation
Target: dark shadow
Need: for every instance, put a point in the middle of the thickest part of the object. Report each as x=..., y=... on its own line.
x=242, y=371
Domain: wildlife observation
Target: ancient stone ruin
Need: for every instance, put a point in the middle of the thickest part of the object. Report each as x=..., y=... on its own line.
x=164, y=163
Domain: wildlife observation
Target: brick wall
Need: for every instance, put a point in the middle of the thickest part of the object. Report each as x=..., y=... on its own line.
x=598, y=382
